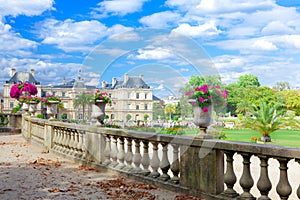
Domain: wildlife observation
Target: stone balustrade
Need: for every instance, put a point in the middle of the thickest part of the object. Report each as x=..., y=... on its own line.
x=206, y=168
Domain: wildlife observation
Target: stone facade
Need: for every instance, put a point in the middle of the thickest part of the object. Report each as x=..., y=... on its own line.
x=131, y=96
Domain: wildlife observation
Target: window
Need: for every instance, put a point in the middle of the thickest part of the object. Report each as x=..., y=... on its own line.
x=80, y=116
x=137, y=95
x=63, y=94
x=137, y=107
x=146, y=106
x=53, y=93
x=145, y=96
x=43, y=93
x=128, y=106
x=11, y=104
x=112, y=116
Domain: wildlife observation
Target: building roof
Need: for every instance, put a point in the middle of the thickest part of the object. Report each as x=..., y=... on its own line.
x=23, y=77
x=131, y=82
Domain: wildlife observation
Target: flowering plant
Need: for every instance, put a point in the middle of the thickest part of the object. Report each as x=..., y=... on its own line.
x=17, y=89
x=206, y=94
x=98, y=95
x=30, y=99
x=50, y=98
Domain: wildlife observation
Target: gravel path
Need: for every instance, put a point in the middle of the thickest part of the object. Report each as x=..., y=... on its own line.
x=28, y=173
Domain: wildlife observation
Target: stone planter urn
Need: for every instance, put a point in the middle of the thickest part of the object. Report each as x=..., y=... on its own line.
x=52, y=109
x=32, y=108
x=98, y=112
x=202, y=119
x=25, y=108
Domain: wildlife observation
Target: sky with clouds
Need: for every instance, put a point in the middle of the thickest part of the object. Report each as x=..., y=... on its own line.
x=166, y=40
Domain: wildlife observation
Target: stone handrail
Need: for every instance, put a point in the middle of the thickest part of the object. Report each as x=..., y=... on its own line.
x=206, y=168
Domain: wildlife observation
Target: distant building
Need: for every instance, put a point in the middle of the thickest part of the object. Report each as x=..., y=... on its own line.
x=132, y=97
x=17, y=77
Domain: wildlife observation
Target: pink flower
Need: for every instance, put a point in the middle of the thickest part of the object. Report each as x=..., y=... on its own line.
x=209, y=97
x=224, y=95
x=204, y=88
x=205, y=109
x=201, y=99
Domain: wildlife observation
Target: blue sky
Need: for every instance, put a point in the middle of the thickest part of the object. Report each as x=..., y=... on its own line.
x=167, y=41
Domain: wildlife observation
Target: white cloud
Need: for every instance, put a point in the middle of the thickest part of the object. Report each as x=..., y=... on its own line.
x=12, y=43
x=264, y=45
x=79, y=36
x=28, y=8
x=222, y=6
x=203, y=30
x=157, y=54
x=277, y=27
x=118, y=7
x=160, y=19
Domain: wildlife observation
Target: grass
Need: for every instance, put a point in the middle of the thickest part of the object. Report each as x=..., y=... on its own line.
x=289, y=138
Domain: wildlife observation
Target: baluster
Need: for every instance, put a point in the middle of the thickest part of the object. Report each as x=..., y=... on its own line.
x=80, y=144
x=55, y=138
x=246, y=180
x=137, y=157
x=71, y=144
x=146, y=159
x=107, y=150
x=114, y=152
x=128, y=155
x=164, y=164
x=67, y=141
x=154, y=162
x=60, y=145
x=283, y=188
x=175, y=164
x=83, y=147
x=121, y=154
x=63, y=142
x=264, y=184
x=298, y=191
x=229, y=176
x=76, y=153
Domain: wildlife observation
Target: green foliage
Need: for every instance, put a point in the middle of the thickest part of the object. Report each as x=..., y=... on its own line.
x=40, y=116
x=248, y=80
x=83, y=100
x=64, y=116
x=268, y=118
x=3, y=120
x=146, y=116
x=170, y=109
x=176, y=130
x=128, y=117
x=158, y=111
x=16, y=108
x=292, y=100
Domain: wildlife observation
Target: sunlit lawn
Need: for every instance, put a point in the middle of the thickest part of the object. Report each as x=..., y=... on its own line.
x=280, y=137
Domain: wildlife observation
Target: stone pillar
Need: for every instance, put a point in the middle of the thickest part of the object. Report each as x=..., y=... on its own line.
x=205, y=174
x=48, y=136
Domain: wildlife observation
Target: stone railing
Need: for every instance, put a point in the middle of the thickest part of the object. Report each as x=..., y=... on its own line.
x=10, y=122
x=211, y=169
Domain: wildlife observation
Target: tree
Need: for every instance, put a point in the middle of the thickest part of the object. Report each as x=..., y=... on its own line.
x=146, y=116
x=83, y=100
x=243, y=107
x=268, y=118
x=158, y=111
x=248, y=80
x=292, y=100
x=128, y=117
x=170, y=109
x=282, y=86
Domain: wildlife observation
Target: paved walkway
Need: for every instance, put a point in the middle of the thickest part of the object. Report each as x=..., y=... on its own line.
x=28, y=173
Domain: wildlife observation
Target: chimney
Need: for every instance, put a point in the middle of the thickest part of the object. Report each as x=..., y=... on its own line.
x=114, y=81
x=32, y=72
x=142, y=76
x=64, y=82
x=103, y=84
x=125, y=78
x=12, y=72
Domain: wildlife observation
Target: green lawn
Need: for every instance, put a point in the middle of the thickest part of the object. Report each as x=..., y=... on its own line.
x=281, y=137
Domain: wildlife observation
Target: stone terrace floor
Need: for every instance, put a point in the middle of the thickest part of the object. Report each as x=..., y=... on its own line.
x=26, y=172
